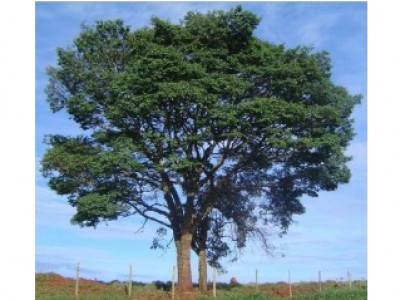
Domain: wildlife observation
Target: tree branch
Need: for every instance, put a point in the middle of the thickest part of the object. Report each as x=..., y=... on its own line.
x=146, y=216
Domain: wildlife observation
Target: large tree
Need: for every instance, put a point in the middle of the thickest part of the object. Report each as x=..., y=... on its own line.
x=193, y=110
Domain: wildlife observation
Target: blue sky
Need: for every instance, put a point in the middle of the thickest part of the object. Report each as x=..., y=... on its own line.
x=331, y=236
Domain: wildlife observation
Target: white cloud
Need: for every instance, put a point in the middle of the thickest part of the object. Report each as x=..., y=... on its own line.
x=358, y=165
x=63, y=260
x=122, y=229
x=137, y=14
x=313, y=31
x=41, y=12
x=293, y=24
x=58, y=253
x=104, y=264
x=358, y=150
x=303, y=265
x=53, y=211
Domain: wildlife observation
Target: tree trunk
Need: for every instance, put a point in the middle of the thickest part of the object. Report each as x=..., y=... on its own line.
x=183, y=247
x=202, y=253
x=202, y=270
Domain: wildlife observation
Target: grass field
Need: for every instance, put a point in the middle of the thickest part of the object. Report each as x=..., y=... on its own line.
x=55, y=287
x=326, y=295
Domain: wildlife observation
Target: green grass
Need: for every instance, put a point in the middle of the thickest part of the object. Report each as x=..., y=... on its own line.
x=326, y=295
x=335, y=295
x=239, y=297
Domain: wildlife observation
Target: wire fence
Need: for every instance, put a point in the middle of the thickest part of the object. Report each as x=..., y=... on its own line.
x=283, y=288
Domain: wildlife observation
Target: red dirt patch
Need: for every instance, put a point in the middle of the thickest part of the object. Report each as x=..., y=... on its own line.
x=54, y=284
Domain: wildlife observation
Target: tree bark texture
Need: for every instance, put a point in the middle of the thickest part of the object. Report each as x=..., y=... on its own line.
x=183, y=247
x=202, y=270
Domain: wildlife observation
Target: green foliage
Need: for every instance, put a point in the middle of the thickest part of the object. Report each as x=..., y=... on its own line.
x=193, y=111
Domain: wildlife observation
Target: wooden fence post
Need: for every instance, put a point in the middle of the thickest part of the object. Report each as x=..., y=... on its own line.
x=130, y=281
x=215, y=283
x=77, y=281
x=349, y=279
x=256, y=281
x=319, y=280
x=173, y=283
x=290, y=285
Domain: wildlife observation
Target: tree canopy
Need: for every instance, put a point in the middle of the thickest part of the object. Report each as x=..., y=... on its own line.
x=202, y=112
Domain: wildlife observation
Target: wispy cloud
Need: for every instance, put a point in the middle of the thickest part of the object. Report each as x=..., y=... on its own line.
x=137, y=14
x=123, y=229
x=321, y=25
x=63, y=260
x=302, y=24
x=358, y=151
x=314, y=33
x=53, y=210
x=57, y=253
x=303, y=265
x=100, y=264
